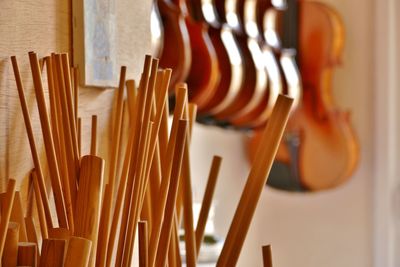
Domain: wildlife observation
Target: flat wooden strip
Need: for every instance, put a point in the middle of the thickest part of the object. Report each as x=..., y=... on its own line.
x=52, y=254
x=27, y=254
x=267, y=256
x=143, y=244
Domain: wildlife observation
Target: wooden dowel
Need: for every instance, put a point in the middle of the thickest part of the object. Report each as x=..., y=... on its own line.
x=10, y=252
x=116, y=130
x=166, y=174
x=59, y=233
x=143, y=244
x=87, y=209
x=78, y=252
x=136, y=204
x=70, y=106
x=34, y=152
x=256, y=182
x=17, y=215
x=27, y=254
x=267, y=256
x=31, y=230
x=52, y=254
x=138, y=123
x=102, y=242
x=147, y=213
x=131, y=96
x=162, y=246
x=72, y=161
x=6, y=213
x=39, y=205
x=207, y=199
x=48, y=142
x=93, y=140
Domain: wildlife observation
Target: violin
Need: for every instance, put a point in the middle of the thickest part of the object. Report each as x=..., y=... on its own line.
x=176, y=51
x=230, y=65
x=319, y=143
x=254, y=83
x=203, y=75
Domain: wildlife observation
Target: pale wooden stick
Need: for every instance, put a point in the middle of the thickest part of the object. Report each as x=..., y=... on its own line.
x=143, y=244
x=59, y=233
x=133, y=162
x=72, y=162
x=6, y=213
x=115, y=139
x=93, y=140
x=88, y=201
x=48, y=142
x=17, y=215
x=162, y=246
x=27, y=254
x=78, y=252
x=256, y=182
x=103, y=228
x=135, y=201
x=52, y=254
x=10, y=252
x=39, y=205
x=29, y=130
x=70, y=106
x=166, y=174
x=131, y=96
x=267, y=256
x=207, y=199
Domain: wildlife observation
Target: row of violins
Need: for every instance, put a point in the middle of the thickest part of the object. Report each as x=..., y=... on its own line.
x=229, y=53
x=237, y=56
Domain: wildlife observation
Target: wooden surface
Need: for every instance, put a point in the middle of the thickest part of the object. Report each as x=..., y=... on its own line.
x=44, y=27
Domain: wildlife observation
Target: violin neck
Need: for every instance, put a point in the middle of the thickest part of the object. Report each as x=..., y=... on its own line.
x=290, y=26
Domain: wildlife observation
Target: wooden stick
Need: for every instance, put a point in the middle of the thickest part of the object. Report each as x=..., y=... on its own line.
x=17, y=215
x=10, y=252
x=166, y=174
x=115, y=139
x=72, y=162
x=87, y=209
x=59, y=233
x=133, y=162
x=93, y=140
x=31, y=230
x=131, y=96
x=48, y=142
x=70, y=106
x=39, y=205
x=162, y=246
x=267, y=256
x=206, y=203
x=143, y=244
x=29, y=131
x=27, y=254
x=104, y=228
x=78, y=252
x=6, y=213
x=256, y=182
x=52, y=254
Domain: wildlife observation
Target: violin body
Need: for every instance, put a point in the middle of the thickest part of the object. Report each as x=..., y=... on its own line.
x=328, y=151
x=203, y=75
x=175, y=52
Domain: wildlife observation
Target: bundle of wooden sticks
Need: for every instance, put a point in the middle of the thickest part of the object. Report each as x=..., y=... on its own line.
x=98, y=216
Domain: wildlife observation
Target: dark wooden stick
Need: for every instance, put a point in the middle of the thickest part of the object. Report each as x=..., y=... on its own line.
x=93, y=140
x=27, y=254
x=267, y=256
x=52, y=254
x=143, y=244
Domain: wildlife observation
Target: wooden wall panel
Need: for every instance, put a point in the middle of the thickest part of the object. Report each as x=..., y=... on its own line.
x=43, y=26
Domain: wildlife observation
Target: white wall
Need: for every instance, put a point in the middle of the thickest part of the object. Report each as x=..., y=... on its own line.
x=332, y=228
